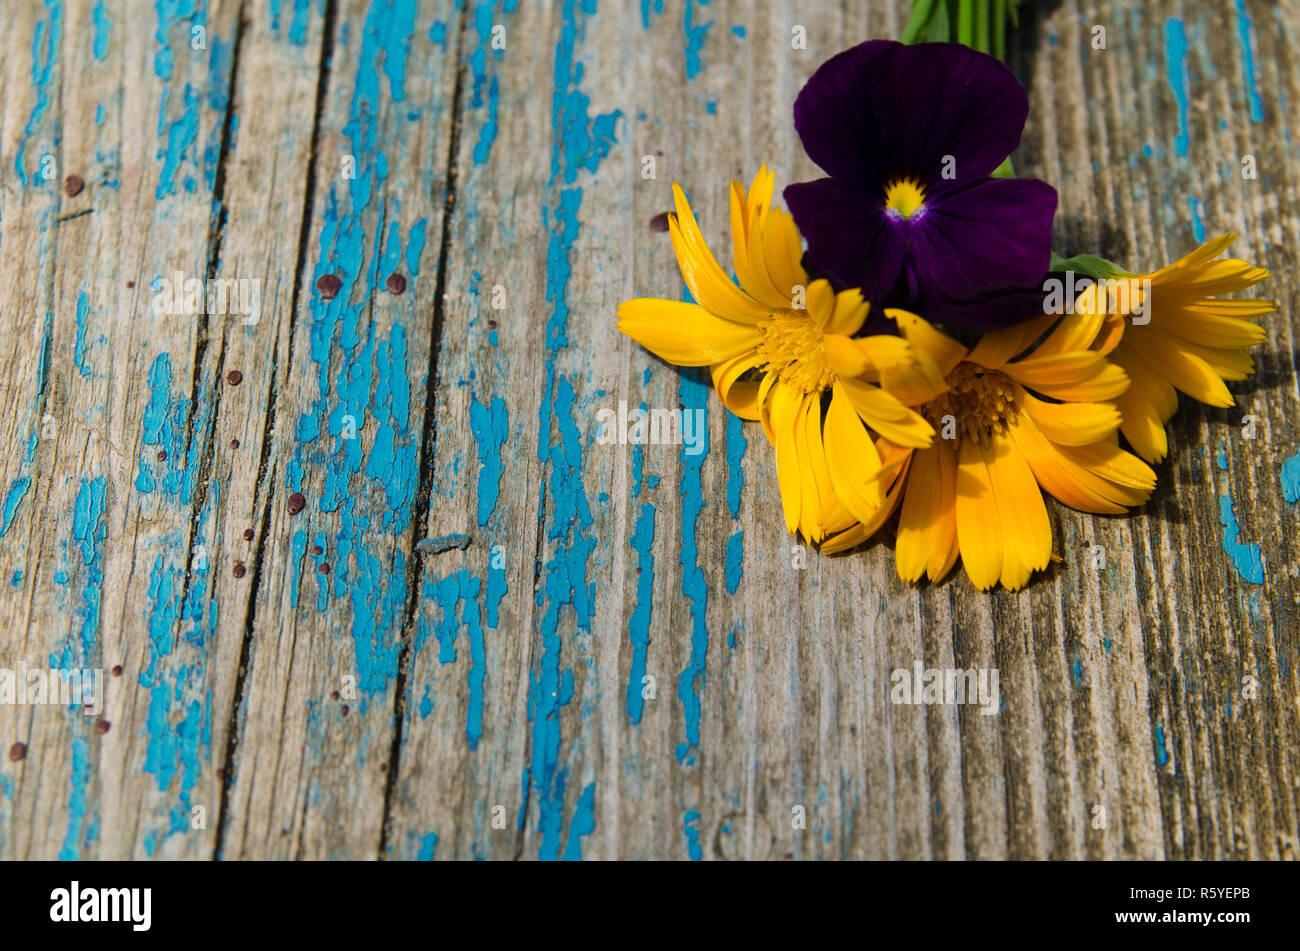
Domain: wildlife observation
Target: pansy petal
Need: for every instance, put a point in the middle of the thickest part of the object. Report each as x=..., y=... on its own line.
x=882, y=109
x=1000, y=308
x=994, y=235
x=850, y=240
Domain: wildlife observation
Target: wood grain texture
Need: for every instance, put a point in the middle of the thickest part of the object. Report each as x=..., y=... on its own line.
x=443, y=653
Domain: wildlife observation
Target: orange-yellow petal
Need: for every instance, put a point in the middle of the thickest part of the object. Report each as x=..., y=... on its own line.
x=684, y=334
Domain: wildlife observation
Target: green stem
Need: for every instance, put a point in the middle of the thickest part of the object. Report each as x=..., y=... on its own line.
x=966, y=23
x=1000, y=29
x=982, y=26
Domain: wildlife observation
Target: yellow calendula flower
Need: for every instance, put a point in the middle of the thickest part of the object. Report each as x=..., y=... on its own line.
x=1025, y=410
x=782, y=350
x=1172, y=333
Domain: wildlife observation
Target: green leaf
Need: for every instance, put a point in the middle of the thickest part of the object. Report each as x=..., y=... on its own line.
x=1097, y=268
x=1004, y=170
x=919, y=20
x=940, y=30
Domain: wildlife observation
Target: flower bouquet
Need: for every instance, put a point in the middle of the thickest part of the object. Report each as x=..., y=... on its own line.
x=909, y=341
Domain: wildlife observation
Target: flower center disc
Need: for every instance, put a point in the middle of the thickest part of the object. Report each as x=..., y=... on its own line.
x=905, y=199
x=792, y=348
x=979, y=403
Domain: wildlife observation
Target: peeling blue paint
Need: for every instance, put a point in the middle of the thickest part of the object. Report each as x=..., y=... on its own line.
x=691, y=829
x=428, y=847
x=415, y=246
x=491, y=427
x=658, y=6
x=77, y=804
x=1248, y=63
x=1176, y=72
x=103, y=25
x=79, y=345
x=1198, y=226
x=46, y=37
x=735, y=560
x=639, y=624
x=1245, y=558
x=693, y=395
x=297, y=24
x=17, y=489
x=488, y=134
x=582, y=824
x=1290, y=477
x=580, y=141
x=89, y=531
x=164, y=426
x=181, y=136
x=694, y=34
x=457, y=598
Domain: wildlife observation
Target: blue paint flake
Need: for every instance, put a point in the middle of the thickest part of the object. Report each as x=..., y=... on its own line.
x=1245, y=558
x=737, y=443
x=17, y=489
x=693, y=394
x=103, y=25
x=443, y=543
x=694, y=34
x=415, y=245
x=490, y=426
x=456, y=597
x=428, y=847
x=1176, y=72
x=79, y=345
x=735, y=560
x=582, y=824
x=46, y=38
x=80, y=779
x=691, y=829
x=1290, y=477
x=1248, y=63
x=658, y=7
x=1198, y=226
x=639, y=624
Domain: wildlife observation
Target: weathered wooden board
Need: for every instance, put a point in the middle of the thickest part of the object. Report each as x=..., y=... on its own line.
x=386, y=596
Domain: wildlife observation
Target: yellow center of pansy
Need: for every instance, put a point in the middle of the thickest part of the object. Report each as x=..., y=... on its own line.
x=792, y=348
x=979, y=403
x=905, y=198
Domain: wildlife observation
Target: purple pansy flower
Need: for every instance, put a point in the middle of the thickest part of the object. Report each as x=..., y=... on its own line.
x=909, y=136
